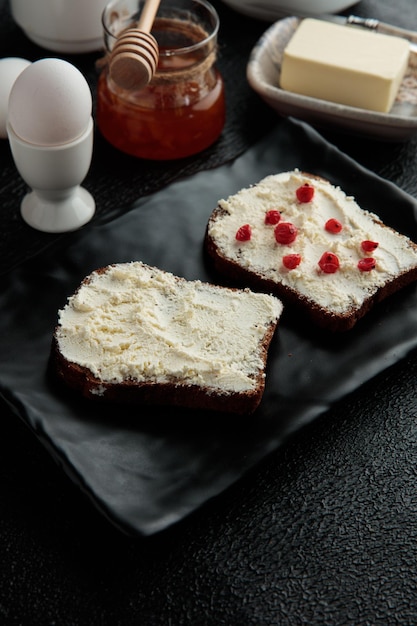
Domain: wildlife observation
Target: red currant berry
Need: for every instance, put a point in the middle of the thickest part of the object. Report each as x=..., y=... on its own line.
x=366, y=265
x=333, y=225
x=272, y=217
x=291, y=261
x=329, y=263
x=369, y=246
x=305, y=193
x=285, y=233
x=244, y=233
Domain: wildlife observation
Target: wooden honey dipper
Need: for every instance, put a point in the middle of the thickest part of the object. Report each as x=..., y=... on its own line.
x=134, y=57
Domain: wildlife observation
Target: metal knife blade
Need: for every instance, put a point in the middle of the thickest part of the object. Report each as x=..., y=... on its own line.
x=370, y=23
x=367, y=23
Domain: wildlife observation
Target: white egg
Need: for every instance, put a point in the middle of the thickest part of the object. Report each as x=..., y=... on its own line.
x=10, y=68
x=50, y=103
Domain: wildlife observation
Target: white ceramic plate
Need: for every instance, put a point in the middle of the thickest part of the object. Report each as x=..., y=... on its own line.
x=263, y=72
x=271, y=10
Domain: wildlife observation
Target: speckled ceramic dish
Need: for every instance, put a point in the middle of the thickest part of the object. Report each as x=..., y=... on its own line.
x=263, y=72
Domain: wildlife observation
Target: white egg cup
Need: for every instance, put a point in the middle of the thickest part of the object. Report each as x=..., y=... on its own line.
x=56, y=203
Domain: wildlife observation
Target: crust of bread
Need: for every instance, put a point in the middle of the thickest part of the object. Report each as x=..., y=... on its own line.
x=134, y=393
x=176, y=393
x=310, y=310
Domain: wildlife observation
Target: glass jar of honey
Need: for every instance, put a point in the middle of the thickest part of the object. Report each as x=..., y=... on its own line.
x=182, y=110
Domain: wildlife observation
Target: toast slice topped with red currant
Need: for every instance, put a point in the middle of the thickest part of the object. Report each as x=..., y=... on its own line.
x=301, y=238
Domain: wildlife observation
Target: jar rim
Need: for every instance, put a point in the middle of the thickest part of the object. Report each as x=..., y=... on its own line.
x=211, y=37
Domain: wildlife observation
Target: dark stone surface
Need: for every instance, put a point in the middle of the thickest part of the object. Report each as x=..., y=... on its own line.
x=322, y=532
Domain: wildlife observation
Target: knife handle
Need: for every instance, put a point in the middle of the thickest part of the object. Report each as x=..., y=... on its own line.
x=381, y=27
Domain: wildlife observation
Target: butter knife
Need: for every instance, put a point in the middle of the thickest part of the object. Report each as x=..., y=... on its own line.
x=371, y=23
x=368, y=23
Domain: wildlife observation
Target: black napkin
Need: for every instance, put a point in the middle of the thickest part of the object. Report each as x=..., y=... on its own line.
x=146, y=470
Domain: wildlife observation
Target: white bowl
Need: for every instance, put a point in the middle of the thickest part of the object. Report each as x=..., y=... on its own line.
x=72, y=26
x=272, y=10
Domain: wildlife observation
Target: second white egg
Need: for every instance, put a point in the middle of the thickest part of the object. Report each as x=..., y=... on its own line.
x=50, y=103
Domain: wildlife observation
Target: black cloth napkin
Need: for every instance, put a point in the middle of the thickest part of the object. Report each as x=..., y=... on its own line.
x=146, y=470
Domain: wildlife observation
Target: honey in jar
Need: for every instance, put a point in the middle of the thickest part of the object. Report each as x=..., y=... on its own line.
x=182, y=110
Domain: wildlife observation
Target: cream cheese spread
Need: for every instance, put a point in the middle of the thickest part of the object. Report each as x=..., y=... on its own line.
x=138, y=322
x=346, y=65
x=341, y=292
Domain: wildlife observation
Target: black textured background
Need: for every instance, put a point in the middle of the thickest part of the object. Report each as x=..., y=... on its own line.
x=322, y=532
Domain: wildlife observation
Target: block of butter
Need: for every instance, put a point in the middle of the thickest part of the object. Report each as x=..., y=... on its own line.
x=343, y=64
